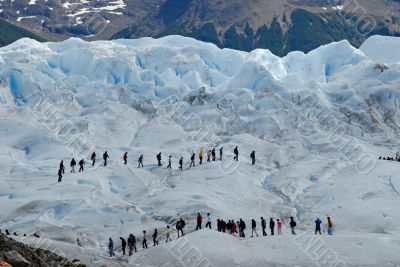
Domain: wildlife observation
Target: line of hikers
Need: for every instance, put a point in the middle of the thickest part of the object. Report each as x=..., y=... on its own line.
x=222, y=226
x=211, y=156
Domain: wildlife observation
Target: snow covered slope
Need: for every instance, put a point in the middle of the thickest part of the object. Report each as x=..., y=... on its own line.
x=317, y=121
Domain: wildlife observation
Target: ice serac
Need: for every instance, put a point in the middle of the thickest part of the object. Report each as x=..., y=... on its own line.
x=318, y=122
x=382, y=49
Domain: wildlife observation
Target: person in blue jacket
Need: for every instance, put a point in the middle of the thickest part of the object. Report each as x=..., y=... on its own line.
x=111, y=247
x=318, y=226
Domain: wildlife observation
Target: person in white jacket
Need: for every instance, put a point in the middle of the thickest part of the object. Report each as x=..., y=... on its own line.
x=208, y=224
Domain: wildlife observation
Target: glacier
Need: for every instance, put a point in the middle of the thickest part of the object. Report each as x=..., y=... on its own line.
x=318, y=122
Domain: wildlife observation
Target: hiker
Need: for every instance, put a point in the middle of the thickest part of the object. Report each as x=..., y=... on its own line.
x=192, y=160
x=105, y=157
x=59, y=175
x=123, y=245
x=318, y=226
x=131, y=244
x=219, y=229
x=223, y=226
x=78, y=241
x=168, y=235
x=199, y=221
x=213, y=154
x=242, y=227
x=81, y=164
x=169, y=162
x=93, y=158
x=140, y=161
x=253, y=227
x=279, y=223
x=236, y=152
x=155, y=234
x=263, y=226
x=181, y=163
x=233, y=228
x=292, y=225
x=201, y=156
x=208, y=224
x=111, y=247
x=7, y=232
x=62, y=168
x=330, y=226
x=73, y=164
x=125, y=157
x=144, y=242
x=253, y=157
x=159, y=159
x=272, y=226
x=208, y=155
x=179, y=226
x=221, y=151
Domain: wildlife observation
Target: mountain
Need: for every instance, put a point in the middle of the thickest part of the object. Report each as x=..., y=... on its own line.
x=10, y=33
x=279, y=25
x=318, y=123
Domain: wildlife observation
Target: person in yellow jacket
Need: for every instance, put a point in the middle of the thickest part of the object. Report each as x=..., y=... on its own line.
x=330, y=226
x=201, y=156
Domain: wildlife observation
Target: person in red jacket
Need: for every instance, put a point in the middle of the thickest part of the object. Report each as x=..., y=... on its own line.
x=199, y=221
x=233, y=229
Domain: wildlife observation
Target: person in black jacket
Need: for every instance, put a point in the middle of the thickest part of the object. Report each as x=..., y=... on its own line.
x=81, y=164
x=253, y=157
x=264, y=226
x=73, y=164
x=181, y=163
x=123, y=245
x=131, y=244
x=236, y=152
x=155, y=234
x=242, y=227
x=292, y=225
x=105, y=157
x=62, y=168
x=192, y=163
x=159, y=159
x=93, y=158
x=213, y=154
x=253, y=227
x=272, y=226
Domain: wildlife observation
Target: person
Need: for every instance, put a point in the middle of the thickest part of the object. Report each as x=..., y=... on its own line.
x=219, y=228
x=242, y=227
x=81, y=164
x=223, y=226
x=105, y=157
x=123, y=245
x=330, y=226
x=62, y=168
x=159, y=159
x=140, y=161
x=181, y=163
x=209, y=155
x=192, y=160
x=199, y=221
x=111, y=247
x=236, y=152
x=155, y=234
x=221, y=151
x=318, y=226
x=179, y=226
x=169, y=162
x=168, y=235
x=125, y=158
x=93, y=158
x=7, y=232
x=131, y=244
x=253, y=157
x=78, y=242
x=272, y=226
x=144, y=242
x=213, y=154
x=253, y=227
x=263, y=226
x=292, y=225
x=201, y=156
x=233, y=228
x=59, y=175
x=279, y=223
x=73, y=164
x=208, y=224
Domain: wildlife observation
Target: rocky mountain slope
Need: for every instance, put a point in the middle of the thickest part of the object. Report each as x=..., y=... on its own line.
x=279, y=25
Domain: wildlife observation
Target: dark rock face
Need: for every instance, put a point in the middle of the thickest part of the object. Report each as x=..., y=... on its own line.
x=20, y=255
